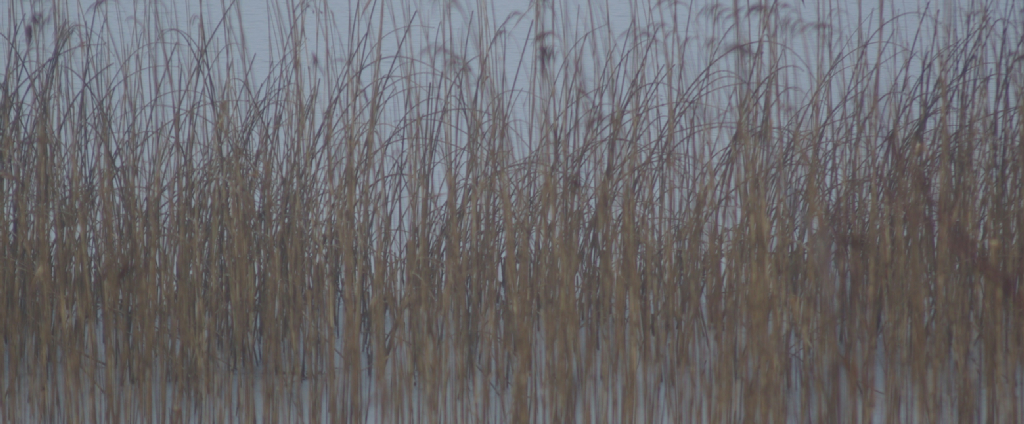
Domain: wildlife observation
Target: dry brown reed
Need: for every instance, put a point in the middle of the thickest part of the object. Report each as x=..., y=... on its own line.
x=659, y=227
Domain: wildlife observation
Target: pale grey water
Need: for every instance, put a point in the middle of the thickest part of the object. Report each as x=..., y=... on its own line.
x=259, y=19
x=262, y=24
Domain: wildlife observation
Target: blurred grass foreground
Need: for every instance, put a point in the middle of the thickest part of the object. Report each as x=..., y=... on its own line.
x=726, y=214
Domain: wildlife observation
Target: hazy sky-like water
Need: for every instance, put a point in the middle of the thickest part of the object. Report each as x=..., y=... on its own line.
x=330, y=30
x=263, y=22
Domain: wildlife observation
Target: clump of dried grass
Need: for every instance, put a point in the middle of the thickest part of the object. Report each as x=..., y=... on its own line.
x=660, y=231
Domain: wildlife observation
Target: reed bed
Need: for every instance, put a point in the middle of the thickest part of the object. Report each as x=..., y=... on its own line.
x=661, y=225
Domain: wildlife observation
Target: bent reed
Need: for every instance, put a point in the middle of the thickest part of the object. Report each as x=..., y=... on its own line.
x=431, y=220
